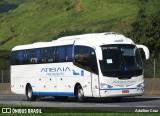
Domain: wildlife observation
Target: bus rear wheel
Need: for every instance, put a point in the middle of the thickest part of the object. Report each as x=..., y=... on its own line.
x=80, y=94
x=29, y=93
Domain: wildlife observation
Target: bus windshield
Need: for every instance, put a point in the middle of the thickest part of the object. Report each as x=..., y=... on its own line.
x=121, y=60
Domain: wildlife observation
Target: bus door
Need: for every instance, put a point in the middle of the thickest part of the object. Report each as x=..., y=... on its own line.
x=85, y=58
x=94, y=74
x=95, y=85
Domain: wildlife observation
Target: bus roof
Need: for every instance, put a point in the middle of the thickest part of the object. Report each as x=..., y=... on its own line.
x=93, y=39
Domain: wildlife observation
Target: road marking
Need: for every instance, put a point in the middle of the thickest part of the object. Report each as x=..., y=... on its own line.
x=145, y=106
x=106, y=105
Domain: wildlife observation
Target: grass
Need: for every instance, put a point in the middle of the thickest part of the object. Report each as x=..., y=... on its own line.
x=45, y=20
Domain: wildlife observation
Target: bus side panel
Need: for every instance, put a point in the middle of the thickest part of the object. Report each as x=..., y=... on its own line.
x=19, y=78
x=70, y=76
x=58, y=79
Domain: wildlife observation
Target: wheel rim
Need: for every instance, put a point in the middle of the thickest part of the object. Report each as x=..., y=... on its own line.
x=29, y=93
x=80, y=94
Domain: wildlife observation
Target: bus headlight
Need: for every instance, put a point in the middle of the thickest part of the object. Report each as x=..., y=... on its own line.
x=141, y=85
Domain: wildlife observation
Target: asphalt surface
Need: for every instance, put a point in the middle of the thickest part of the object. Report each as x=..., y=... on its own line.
x=130, y=104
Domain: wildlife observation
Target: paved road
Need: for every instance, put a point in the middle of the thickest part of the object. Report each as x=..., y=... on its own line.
x=126, y=105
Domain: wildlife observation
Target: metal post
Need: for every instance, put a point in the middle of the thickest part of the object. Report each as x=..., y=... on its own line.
x=2, y=76
x=154, y=68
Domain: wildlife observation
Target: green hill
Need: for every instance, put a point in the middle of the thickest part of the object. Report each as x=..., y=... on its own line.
x=28, y=21
x=45, y=20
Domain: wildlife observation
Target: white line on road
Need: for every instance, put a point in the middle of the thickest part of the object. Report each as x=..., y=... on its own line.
x=106, y=105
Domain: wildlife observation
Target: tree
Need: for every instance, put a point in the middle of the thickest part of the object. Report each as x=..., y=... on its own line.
x=146, y=31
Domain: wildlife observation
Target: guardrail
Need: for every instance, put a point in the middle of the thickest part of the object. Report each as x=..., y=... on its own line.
x=151, y=70
x=152, y=87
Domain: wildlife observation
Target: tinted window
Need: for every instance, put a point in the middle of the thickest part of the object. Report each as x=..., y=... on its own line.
x=49, y=55
x=121, y=60
x=42, y=55
x=61, y=54
x=31, y=56
x=14, y=58
x=52, y=57
x=17, y=58
x=85, y=57
x=20, y=57
x=69, y=53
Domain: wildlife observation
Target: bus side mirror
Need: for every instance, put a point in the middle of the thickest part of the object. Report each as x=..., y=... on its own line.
x=145, y=49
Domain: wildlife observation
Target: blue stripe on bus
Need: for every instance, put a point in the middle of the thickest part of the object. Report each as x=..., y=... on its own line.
x=120, y=88
x=54, y=93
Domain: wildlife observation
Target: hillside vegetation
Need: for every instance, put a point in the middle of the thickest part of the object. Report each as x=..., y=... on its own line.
x=44, y=20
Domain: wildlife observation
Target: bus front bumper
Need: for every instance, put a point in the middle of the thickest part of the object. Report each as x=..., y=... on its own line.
x=121, y=92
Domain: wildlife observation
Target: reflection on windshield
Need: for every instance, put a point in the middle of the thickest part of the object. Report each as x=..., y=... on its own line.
x=121, y=60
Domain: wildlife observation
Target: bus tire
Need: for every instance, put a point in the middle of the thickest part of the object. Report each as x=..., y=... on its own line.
x=29, y=93
x=80, y=94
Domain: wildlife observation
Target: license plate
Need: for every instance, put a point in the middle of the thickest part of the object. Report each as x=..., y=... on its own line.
x=125, y=91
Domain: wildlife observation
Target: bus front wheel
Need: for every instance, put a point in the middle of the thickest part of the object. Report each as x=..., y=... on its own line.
x=29, y=93
x=80, y=94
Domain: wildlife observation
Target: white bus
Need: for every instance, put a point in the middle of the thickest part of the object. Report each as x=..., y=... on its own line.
x=94, y=65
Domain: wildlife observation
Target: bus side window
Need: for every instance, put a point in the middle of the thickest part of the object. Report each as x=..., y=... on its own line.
x=85, y=57
x=44, y=55
x=17, y=57
x=20, y=57
x=25, y=61
x=80, y=57
x=50, y=58
x=48, y=55
x=61, y=54
x=53, y=54
x=69, y=53
x=31, y=56
x=14, y=58
x=57, y=55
